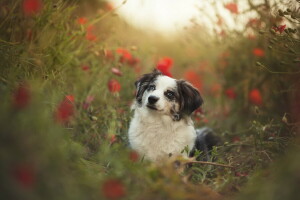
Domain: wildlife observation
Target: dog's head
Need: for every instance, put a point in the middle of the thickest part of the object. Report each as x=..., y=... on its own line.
x=165, y=95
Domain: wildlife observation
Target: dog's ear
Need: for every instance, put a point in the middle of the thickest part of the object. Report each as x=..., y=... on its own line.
x=142, y=84
x=189, y=97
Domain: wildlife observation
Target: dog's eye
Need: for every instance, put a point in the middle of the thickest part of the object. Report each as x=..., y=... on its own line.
x=151, y=87
x=170, y=94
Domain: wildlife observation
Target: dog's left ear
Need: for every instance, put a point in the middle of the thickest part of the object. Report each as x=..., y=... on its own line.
x=189, y=97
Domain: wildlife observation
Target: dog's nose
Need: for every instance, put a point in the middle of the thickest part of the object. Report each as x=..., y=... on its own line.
x=152, y=99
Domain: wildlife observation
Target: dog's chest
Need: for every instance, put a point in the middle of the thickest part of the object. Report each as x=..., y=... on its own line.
x=157, y=139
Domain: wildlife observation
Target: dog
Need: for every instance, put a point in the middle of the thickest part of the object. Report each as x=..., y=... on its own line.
x=162, y=126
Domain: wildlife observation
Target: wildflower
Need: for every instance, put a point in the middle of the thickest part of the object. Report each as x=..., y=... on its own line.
x=255, y=97
x=32, y=7
x=279, y=29
x=112, y=139
x=85, y=68
x=81, y=20
x=113, y=189
x=232, y=7
x=21, y=96
x=116, y=71
x=230, y=93
x=164, y=65
x=65, y=110
x=113, y=86
x=90, y=33
x=24, y=175
x=258, y=52
x=125, y=55
x=133, y=156
x=194, y=79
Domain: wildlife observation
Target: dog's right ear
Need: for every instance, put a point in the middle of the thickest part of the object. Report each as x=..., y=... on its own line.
x=142, y=84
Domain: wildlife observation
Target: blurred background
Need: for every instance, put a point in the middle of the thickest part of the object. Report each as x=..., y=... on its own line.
x=67, y=76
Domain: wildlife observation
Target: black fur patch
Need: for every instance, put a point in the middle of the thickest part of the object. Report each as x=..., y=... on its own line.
x=143, y=83
x=205, y=141
x=189, y=97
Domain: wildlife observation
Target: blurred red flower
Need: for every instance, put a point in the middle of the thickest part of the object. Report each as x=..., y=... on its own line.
x=192, y=77
x=164, y=65
x=279, y=29
x=116, y=71
x=25, y=175
x=32, y=7
x=258, y=52
x=90, y=33
x=230, y=93
x=108, y=54
x=65, y=109
x=255, y=97
x=21, y=96
x=113, y=189
x=114, y=86
x=126, y=56
x=232, y=7
x=85, y=68
x=133, y=156
x=81, y=20
x=112, y=139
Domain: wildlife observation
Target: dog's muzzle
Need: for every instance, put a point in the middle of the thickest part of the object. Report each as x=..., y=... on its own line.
x=151, y=102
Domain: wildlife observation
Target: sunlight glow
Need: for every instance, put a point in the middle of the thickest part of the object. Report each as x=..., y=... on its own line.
x=171, y=16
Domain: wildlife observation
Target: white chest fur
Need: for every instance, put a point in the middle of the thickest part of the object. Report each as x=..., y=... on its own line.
x=158, y=136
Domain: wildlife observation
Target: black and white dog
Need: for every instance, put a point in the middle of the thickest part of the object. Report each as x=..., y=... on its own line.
x=162, y=126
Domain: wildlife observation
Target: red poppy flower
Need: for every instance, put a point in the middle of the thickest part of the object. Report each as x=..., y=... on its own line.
x=133, y=156
x=21, y=96
x=232, y=7
x=230, y=93
x=194, y=79
x=133, y=61
x=90, y=33
x=65, y=109
x=113, y=189
x=255, y=97
x=24, y=175
x=126, y=56
x=164, y=65
x=280, y=29
x=32, y=7
x=85, y=68
x=258, y=52
x=116, y=71
x=81, y=20
x=114, y=86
